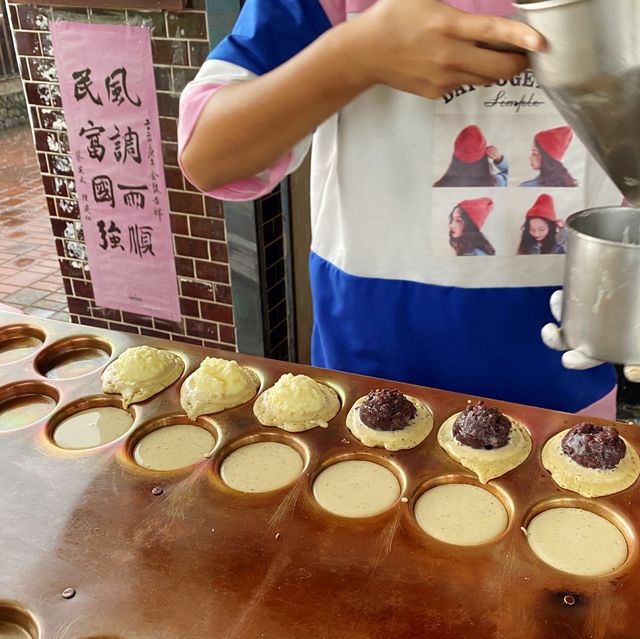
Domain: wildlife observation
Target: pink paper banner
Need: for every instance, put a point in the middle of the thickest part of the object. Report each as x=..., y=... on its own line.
x=109, y=99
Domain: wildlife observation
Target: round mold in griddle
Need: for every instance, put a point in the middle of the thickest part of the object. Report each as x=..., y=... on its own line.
x=262, y=463
x=460, y=511
x=583, y=521
x=172, y=443
x=17, y=623
x=335, y=386
x=25, y=403
x=73, y=357
x=358, y=485
x=18, y=342
x=89, y=423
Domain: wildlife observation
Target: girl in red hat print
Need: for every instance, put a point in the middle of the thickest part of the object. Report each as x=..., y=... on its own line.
x=542, y=230
x=474, y=163
x=546, y=156
x=465, y=222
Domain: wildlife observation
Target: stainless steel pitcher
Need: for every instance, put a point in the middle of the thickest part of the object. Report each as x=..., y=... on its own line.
x=601, y=302
x=591, y=72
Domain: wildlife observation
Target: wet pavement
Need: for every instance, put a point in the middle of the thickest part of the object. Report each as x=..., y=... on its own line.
x=30, y=279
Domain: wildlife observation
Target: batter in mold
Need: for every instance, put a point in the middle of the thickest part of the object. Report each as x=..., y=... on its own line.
x=261, y=467
x=485, y=441
x=296, y=403
x=388, y=419
x=356, y=488
x=173, y=447
x=577, y=541
x=141, y=372
x=591, y=460
x=461, y=514
x=93, y=427
x=217, y=385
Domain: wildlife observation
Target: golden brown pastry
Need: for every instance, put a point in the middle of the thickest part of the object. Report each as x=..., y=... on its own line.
x=217, y=385
x=296, y=403
x=141, y=372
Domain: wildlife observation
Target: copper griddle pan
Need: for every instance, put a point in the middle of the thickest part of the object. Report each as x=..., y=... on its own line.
x=179, y=555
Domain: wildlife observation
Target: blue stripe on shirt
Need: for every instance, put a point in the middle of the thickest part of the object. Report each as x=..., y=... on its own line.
x=478, y=341
x=269, y=32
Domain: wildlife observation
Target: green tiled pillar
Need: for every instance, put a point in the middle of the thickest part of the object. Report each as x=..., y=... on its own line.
x=221, y=15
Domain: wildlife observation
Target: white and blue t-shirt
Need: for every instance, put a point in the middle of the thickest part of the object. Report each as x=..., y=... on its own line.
x=392, y=297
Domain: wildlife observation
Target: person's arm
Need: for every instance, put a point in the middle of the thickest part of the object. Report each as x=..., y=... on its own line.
x=502, y=177
x=419, y=46
x=501, y=163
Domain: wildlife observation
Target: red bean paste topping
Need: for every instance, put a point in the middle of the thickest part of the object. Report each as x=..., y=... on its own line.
x=481, y=427
x=594, y=446
x=387, y=410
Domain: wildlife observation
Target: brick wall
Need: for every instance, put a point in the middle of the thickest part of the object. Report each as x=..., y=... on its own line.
x=180, y=45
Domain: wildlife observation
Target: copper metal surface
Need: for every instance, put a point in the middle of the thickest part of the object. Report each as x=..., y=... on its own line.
x=179, y=555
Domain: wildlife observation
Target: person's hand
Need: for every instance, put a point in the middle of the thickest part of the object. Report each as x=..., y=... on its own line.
x=575, y=359
x=494, y=154
x=429, y=49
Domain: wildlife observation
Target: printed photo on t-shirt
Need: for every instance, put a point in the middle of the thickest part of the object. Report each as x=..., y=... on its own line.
x=546, y=160
x=543, y=233
x=474, y=161
x=541, y=219
x=465, y=223
x=505, y=172
x=501, y=222
x=507, y=134
x=465, y=227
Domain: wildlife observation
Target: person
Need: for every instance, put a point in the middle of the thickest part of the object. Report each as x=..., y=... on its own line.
x=474, y=162
x=542, y=231
x=370, y=82
x=546, y=156
x=465, y=222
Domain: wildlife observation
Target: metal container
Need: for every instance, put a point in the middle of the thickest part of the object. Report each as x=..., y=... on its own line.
x=591, y=72
x=94, y=546
x=601, y=302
